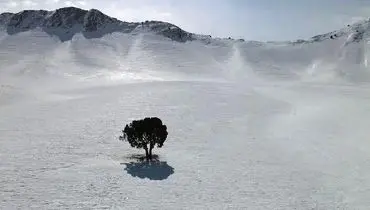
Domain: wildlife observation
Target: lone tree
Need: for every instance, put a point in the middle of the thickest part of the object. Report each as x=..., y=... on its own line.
x=145, y=133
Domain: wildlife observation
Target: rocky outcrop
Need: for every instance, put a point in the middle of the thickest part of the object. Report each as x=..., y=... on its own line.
x=66, y=22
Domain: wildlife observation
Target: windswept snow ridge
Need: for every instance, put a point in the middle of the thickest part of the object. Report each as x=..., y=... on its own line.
x=333, y=57
x=252, y=125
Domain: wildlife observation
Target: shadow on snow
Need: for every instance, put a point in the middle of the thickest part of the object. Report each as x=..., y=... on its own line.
x=153, y=170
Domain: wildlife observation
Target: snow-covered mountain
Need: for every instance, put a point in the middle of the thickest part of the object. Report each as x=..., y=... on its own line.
x=339, y=55
x=252, y=125
x=66, y=22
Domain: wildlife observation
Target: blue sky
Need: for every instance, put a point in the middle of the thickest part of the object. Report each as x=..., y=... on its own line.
x=262, y=20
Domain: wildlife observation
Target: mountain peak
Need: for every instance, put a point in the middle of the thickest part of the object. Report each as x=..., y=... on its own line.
x=70, y=10
x=68, y=21
x=352, y=33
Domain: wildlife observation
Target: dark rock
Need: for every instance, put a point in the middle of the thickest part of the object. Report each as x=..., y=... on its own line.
x=66, y=22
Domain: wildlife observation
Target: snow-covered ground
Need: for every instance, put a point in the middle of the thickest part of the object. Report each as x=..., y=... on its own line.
x=251, y=125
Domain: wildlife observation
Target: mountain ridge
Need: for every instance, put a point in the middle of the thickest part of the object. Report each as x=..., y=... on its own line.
x=66, y=22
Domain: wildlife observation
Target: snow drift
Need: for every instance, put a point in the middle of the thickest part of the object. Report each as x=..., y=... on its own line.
x=79, y=38
x=252, y=125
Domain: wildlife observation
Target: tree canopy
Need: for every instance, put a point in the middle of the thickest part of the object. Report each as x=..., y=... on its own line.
x=145, y=134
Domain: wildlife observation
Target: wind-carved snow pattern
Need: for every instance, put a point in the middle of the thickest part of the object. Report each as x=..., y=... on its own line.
x=252, y=125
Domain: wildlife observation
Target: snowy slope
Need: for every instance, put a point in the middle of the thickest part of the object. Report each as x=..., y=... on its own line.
x=252, y=125
x=336, y=56
x=339, y=55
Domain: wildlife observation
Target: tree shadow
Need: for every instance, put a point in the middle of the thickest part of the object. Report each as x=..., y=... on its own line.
x=153, y=169
x=141, y=157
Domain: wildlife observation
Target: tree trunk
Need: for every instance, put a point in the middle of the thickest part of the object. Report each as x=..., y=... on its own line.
x=146, y=154
x=150, y=153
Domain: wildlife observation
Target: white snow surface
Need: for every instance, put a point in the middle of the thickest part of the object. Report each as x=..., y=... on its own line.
x=251, y=125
